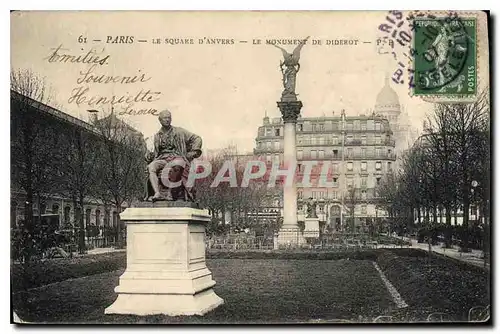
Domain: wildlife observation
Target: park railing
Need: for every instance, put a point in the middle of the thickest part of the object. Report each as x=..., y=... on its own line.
x=339, y=241
x=235, y=242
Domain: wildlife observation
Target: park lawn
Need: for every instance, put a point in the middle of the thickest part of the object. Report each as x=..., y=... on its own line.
x=254, y=291
x=57, y=270
x=435, y=284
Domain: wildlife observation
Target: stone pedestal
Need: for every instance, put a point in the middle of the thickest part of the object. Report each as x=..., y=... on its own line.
x=311, y=228
x=166, y=271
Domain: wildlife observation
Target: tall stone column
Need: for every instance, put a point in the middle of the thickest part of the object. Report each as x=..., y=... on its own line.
x=289, y=233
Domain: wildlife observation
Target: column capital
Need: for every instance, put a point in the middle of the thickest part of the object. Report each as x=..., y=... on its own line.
x=290, y=110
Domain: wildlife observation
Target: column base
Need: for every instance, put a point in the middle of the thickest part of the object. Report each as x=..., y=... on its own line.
x=290, y=237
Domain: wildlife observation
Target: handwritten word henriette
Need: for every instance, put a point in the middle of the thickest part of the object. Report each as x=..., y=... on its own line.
x=92, y=56
x=88, y=76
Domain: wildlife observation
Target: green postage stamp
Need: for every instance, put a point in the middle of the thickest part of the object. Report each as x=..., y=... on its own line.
x=445, y=56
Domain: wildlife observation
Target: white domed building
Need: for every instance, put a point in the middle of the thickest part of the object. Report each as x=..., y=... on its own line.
x=387, y=104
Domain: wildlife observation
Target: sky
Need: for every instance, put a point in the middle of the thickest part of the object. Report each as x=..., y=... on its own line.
x=219, y=91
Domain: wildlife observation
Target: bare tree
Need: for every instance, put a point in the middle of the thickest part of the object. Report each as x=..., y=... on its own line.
x=33, y=147
x=80, y=172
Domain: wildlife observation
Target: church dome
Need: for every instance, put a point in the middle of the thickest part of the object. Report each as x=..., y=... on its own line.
x=387, y=100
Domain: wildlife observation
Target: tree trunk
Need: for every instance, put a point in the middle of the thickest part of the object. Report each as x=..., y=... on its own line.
x=119, y=237
x=81, y=227
x=448, y=226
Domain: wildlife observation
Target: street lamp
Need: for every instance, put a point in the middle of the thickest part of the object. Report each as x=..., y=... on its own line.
x=474, y=184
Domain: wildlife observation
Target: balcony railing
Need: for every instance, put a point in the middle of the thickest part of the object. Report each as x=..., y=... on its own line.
x=332, y=157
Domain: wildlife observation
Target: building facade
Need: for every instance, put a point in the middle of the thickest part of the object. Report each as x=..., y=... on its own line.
x=47, y=123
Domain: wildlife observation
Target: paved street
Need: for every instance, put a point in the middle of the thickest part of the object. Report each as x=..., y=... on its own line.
x=474, y=257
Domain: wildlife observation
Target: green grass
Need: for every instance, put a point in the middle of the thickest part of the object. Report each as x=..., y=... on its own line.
x=268, y=286
x=56, y=270
x=253, y=291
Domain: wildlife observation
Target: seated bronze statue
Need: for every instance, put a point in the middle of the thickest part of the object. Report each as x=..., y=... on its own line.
x=173, y=147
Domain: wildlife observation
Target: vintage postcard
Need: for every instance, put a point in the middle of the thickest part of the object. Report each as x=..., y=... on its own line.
x=250, y=167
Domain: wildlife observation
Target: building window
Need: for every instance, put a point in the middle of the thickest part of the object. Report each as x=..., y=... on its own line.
x=363, y=181
x=363, y=209
x=349, y=166
x=106, y=218
x=314, y=154
x=66, y=214
x=363, y=140
x=321, y=140
x=363, y=152
x=321, y=208
x=300, y=155
x=363, y=165
x=98, y=217
x=378, y=140
x=350, y=138
x=334, y=195
x=88, y=212
x=378, y=151
x=299, y=167
x=321, y=154
x=349, y=125
x=335, y=167
x=378, y=180
x=299, y=140
x=43, y=207
x=378, y=165
x=313, y=140
x=268, y=157
x=335, y=153
x=389, y=166
x=335, y=182
x=268, y=131
x=277, y=132
x=336, y=140
x=268, y=144
x=277, y=145
x=377, y=126
x=300, y=127
x=335, y=125
x=314, y=194
x=363, y=126
x=350, y=182
x=363, y=194
x=321, y=127
x=299, y=194
x=313, y=127
x=55, y=209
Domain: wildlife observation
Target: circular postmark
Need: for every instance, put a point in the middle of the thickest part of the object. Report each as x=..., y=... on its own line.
x=442, y=45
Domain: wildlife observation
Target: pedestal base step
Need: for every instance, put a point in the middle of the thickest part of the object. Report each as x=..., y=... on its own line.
x=166, y=304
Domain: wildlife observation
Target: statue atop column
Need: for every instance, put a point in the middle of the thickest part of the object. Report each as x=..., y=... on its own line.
x=174, y=147
x=290, y=66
